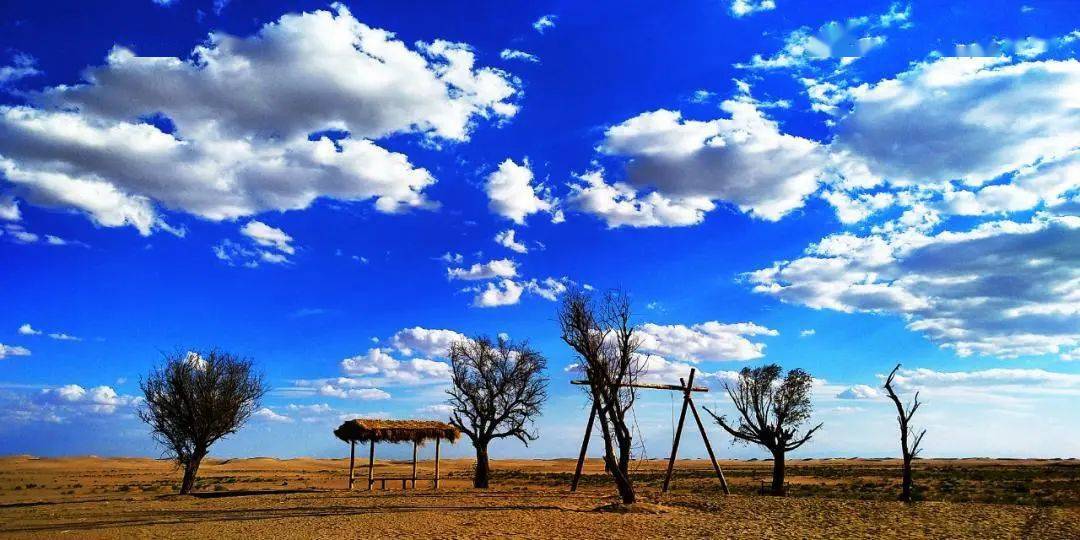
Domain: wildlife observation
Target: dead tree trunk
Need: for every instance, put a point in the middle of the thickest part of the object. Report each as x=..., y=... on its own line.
x=909, y=440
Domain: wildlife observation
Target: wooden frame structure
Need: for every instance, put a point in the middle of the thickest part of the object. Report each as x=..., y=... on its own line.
x=687, y=388
x=394, y=431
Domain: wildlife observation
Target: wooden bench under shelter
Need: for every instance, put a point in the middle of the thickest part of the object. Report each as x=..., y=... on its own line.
x=417, y=432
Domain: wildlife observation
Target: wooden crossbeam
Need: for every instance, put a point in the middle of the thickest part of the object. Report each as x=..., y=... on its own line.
x=652, y=386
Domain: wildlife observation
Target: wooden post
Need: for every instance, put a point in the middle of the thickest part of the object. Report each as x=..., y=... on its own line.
x=437, y=440
x=352, y=461
x=414, y=465
x=678, y=431
x=584, y=448
x=371, y=466
x=708, y=447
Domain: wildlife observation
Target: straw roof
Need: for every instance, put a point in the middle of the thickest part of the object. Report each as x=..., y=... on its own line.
x=418, y=431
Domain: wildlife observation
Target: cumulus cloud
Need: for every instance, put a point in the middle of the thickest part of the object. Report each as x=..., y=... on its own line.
x=425, y=341
x=505, y=292
x=496, y=268
x=270, y=121
x=742, y=8
x=378, y=366
x=621, y=205
x=9, y=208
x=744, y=159
x=13, y=350
x=507, y=240
x=99, y=399
x=512, y=195
x=965, y=119
x=267, y=236
x=28, y=330
x=859, y=391
x=710, y=340
x=1002, y=288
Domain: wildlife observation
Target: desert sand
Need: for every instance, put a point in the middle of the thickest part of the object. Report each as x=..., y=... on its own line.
x=89, y=497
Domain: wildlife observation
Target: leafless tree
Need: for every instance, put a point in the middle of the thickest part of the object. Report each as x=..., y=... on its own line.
x=909, y=440
x=606, y=343
x=498, y=390
x=771, y=412
x=195, y=399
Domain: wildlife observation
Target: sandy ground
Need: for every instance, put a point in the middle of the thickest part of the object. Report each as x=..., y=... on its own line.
x=304, y=498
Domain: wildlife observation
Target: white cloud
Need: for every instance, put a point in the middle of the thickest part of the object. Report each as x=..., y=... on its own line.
x=704, y=341
x=9, y=208
x=744, y=159
x=98, y=400
x=268, y=415
x=261, y=236
x=544, y=22
x=512, y=195
x=28, y=330
x=438, y=410
x=507, y=240
x=839, y=42
x=513, y=54
x=1028, y=380
x=13, y=350
x=964, y=119
x=502, y=293
x=229, y=128
x=496, y=268
x=378, y=367
x=1002, y=288
x=859, y=391
x=22, y=66
x=620, y=204
x=742, y=8
x=807, y=333
x=452, y=258
x=267, y=236
x=425, y=341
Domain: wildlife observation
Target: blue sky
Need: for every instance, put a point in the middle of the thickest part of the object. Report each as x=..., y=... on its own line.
x=339, y=190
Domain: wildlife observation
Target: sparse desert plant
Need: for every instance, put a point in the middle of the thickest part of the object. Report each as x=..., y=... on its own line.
x=771, y=412
x=909, y=440
x=194, y=400
x=606, y=343
x=498, y=389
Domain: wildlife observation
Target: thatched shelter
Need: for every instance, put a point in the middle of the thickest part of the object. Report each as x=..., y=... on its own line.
x=371, y=431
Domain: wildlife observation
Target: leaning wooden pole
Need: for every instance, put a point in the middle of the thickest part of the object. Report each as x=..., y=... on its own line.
x=678, y=431
x=708, y=448
x=352, y=461
x=584, y=449
x=414, y=465
x=437, y=440
x=371, y=466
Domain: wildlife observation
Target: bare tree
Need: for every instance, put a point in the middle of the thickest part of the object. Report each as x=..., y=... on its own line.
x=771, y=412
x=195, y=399
x=606, y=343
x=909, y=440
x=498, y=390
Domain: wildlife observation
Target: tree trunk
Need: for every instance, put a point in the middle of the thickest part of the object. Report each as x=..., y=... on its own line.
x=778, y=473
x=191, y=468
x=483, y=469
x=905, y=493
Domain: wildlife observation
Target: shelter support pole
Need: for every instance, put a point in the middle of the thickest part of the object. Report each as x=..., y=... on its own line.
x=352, y=461
x=708, y=447
x=678, y=431
x=414, y=465
x=584, y=449
x=437, y=441
x=371, y=466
